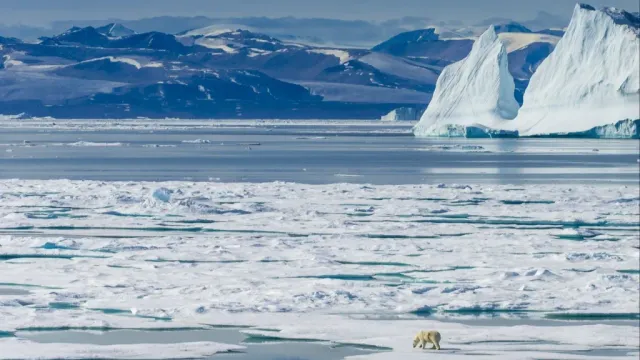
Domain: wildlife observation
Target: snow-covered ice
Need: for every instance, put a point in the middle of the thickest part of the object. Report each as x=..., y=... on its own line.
x=591, y=79
x=314, y=261
x=22, y=349
x=476, y=92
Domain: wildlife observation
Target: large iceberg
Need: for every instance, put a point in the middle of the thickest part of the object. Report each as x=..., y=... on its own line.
x=590, y=81
x=476, y=92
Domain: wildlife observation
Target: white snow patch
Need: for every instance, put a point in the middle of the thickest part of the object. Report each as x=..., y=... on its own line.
x=213, y=43
x=517, y=41
x=342, y=55
x=213, y=30
x=154, y=65
x=129, y=61
x=400, y=67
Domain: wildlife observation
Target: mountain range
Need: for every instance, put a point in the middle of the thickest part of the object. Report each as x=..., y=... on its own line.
x=111, y=70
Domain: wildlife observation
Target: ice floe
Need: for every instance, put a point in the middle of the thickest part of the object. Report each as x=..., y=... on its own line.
x=285, y=256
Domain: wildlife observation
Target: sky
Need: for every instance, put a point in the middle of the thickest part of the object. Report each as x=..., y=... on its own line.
x=42, y=12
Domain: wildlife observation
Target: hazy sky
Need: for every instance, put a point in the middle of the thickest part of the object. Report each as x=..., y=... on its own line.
x=41, y=12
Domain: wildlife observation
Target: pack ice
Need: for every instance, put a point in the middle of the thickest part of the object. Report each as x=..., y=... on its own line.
x=590, y=81
x=474, y=95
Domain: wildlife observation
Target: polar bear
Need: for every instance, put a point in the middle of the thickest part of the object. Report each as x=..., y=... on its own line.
x=424, y=337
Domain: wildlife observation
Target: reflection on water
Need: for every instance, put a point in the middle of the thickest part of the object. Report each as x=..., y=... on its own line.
x=255, y=350
x=310, y=154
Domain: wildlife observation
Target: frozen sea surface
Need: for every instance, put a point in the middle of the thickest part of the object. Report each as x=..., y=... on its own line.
x=303, y=152
x=339, y=263
x=313, y=237
x=252, y=348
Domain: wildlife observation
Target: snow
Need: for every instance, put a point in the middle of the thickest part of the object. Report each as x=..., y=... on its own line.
x=279, y=256
x=364, y=94
x=517, y=41
x=591, y=79
x=462, y=342
x=9, y=63
x=400, y=67
x=154, y=65
x=476, y=91
x=213, y=30
x=213, y=43
x=342, y=55
x=40, y=85
x=128, y=61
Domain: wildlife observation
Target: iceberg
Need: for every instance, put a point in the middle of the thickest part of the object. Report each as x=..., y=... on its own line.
x=589, y=85
x=624, y=129
x=475, y=131
x=402, y=114
x=476, y=92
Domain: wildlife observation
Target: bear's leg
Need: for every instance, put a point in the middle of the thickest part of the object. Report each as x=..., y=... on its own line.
x=435, y=342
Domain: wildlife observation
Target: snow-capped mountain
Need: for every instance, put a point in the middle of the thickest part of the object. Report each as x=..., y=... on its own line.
x=477, y=92
x=115, y=30
x=82, y=70
x=511, y=26
x=114, y=63
x=87, y=36
x=425, y=46
x=526, y=49
x=233, y=41
x=121, y=69
x=591, y=79
x=360, y=73
x=93, y=38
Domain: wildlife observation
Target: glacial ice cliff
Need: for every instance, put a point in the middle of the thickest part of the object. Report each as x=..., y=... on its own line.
x=591, y=80
x=476, y=92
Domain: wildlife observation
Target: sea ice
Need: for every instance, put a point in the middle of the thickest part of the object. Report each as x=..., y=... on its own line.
x=284, y=256
x=13, y=348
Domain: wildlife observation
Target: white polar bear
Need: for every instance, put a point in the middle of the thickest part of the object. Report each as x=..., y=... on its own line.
x=424, y=337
